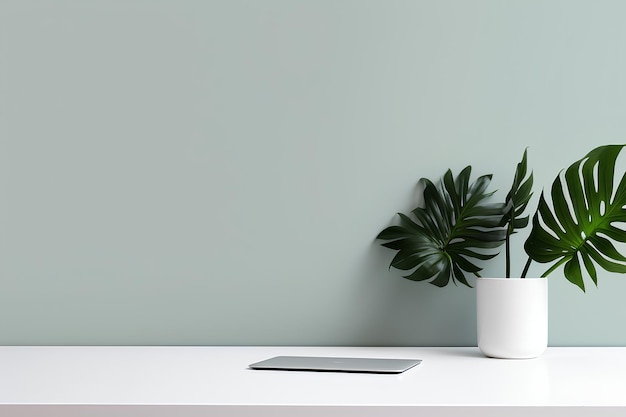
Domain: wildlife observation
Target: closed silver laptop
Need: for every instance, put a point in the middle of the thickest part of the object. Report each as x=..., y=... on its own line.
x=334, y=364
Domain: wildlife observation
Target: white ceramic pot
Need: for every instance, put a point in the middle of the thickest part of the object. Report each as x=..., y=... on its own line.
x=512, y=317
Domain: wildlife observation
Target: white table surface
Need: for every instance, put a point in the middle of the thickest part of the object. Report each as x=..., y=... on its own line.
x=216, y=381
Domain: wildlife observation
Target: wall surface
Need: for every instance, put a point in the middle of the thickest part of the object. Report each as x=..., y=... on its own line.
x=216, y=172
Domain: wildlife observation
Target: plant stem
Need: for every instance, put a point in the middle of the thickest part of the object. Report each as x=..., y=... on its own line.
x=525, y=271
x=555, y=266
x=508, y=254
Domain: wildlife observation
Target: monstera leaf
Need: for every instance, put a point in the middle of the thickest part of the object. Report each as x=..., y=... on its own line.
x=518, y=197
x=515, y=204
x=455, y=226
x=587, y=205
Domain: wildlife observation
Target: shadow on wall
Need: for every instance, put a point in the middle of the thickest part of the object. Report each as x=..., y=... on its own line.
x=398, y=312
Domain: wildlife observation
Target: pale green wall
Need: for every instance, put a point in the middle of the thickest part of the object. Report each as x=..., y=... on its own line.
x=215, y=172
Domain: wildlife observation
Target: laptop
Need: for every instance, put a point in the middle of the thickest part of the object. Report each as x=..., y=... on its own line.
x=334, y=364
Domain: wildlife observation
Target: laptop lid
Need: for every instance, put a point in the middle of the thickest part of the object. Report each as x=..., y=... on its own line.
x=337, y=364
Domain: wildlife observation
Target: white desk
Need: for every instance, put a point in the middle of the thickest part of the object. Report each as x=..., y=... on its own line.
x=215, y=381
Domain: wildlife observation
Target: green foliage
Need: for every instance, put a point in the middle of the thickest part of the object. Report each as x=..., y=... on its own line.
x=518, y=197
x=454, y=225
x=515, y=205
x=458, y=228
x=578, y=229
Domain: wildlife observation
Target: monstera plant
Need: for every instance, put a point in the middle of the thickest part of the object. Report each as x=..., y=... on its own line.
x=458, y=226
